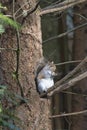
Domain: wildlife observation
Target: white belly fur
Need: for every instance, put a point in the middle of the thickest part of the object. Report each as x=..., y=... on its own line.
x=45, y=84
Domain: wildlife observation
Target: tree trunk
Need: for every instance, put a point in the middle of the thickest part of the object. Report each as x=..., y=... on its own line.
x=34, y=115
x=80, y=49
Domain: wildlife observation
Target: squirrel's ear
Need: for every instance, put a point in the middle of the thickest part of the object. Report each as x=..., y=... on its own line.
x=52, y=62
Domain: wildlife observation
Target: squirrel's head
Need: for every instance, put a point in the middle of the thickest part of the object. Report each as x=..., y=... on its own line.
x=45, y=69
x=52, y=66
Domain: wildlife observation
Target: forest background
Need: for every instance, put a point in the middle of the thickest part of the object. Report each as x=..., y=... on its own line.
x=29, y=30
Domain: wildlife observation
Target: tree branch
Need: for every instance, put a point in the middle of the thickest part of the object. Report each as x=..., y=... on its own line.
x=68, y=114
x=73, y=93
x=70, y=83
x=68, y=62
x=61, y=6
x=65, y=33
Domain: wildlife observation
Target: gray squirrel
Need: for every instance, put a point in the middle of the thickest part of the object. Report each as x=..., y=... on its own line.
x=44, y=75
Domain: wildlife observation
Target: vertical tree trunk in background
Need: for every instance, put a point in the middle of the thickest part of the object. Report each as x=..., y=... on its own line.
x=58, y=123
x=80, y=51
x=37, y=117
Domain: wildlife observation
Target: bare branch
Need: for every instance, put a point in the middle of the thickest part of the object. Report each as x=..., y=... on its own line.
x=68, y=114
x=72, y=72
x=68, y=62
x=73, y=93
x=61, y=6
x=69, y=83
x=65, y=33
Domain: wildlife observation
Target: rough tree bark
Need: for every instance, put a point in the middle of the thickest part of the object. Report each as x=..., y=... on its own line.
x=34, y=117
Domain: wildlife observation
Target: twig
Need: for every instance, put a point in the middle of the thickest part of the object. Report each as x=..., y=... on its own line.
x=83, y=17
x=65, y=33
x=8, y=49
x=52, y=4
x=68, y=62
x=9, y=16
x=68, y=114
x=72, y=72
x=69, y=83
x=61, y=6
x=73, y=93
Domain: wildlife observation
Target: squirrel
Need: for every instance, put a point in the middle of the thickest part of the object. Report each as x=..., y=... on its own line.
x=44, y=76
